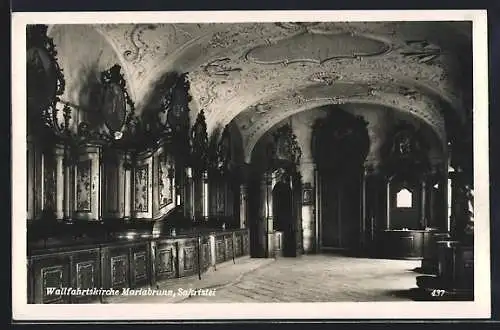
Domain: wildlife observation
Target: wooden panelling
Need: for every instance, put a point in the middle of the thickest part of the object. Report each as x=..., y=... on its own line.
x=50, y=272
x=220, y=250
x=53, y=279
x=86, y=278
x=206, y=259
x=140, y=266
x=165, y=263
x=238, y=247
x=85, y=274
x=189, y=256
x=246, y=243
x=119, y=271
x=229, y=246
x=125, y=264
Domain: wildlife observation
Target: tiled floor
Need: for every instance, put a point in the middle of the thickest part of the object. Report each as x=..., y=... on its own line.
x=312, y=278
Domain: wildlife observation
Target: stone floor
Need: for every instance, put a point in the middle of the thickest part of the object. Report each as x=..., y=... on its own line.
x=322, y=278
x=312, y=278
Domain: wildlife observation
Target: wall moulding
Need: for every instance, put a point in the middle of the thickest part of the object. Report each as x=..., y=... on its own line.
x=317, y=48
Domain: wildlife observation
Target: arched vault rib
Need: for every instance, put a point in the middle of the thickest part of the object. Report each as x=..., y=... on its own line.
x=223, y=104
x=419, y=109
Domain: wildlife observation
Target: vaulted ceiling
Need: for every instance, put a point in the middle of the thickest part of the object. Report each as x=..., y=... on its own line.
x=257, y=74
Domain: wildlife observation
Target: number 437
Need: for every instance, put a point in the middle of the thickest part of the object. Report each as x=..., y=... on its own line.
x=438, y=293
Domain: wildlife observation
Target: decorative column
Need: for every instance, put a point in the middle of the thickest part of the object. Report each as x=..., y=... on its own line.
x=68, y=186
x=372, y=201
x=431, y=195
x=423, y=202
x=442, y=197
x=266, y=223
x=243, y=205
x=362, y=225
x=59, y=184
x=189, y=188
x=100, y=185
x=205, y=200
x=121, y=187
x=127, y=189
x=449, y=199
x=297, y=200
x=309, y=232
x=388, y=205
x=317, y=194
x=270, y=182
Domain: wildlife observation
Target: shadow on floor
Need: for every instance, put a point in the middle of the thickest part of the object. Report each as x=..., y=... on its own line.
x=420, y=270
x=349, y=254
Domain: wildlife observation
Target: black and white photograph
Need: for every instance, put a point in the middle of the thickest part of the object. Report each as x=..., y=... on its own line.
x=250, y=165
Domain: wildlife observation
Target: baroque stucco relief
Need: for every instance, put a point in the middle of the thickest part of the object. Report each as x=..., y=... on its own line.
x=253, y=124
x=226, y=81
x=150, y=50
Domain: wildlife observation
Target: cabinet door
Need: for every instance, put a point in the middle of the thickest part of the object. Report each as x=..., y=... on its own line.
x=142, y=188
x=88, y=186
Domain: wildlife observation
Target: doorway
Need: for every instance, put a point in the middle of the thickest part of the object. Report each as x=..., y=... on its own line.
x=284, y=220
x=340, y=145
x=340, y=212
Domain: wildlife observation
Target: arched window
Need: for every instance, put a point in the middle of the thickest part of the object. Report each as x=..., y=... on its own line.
x=404, y=198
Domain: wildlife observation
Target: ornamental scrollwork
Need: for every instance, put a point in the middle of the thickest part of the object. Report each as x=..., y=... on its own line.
x=114, y=101
x=199, y=143
x=220, y=152
x=285, y=146
x=173, y=117
x=45, y=79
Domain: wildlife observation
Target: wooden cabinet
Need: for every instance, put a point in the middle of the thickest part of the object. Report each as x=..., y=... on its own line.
x=53, y=274
x=402, y=244
x=122, y=264
x=456, y=265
